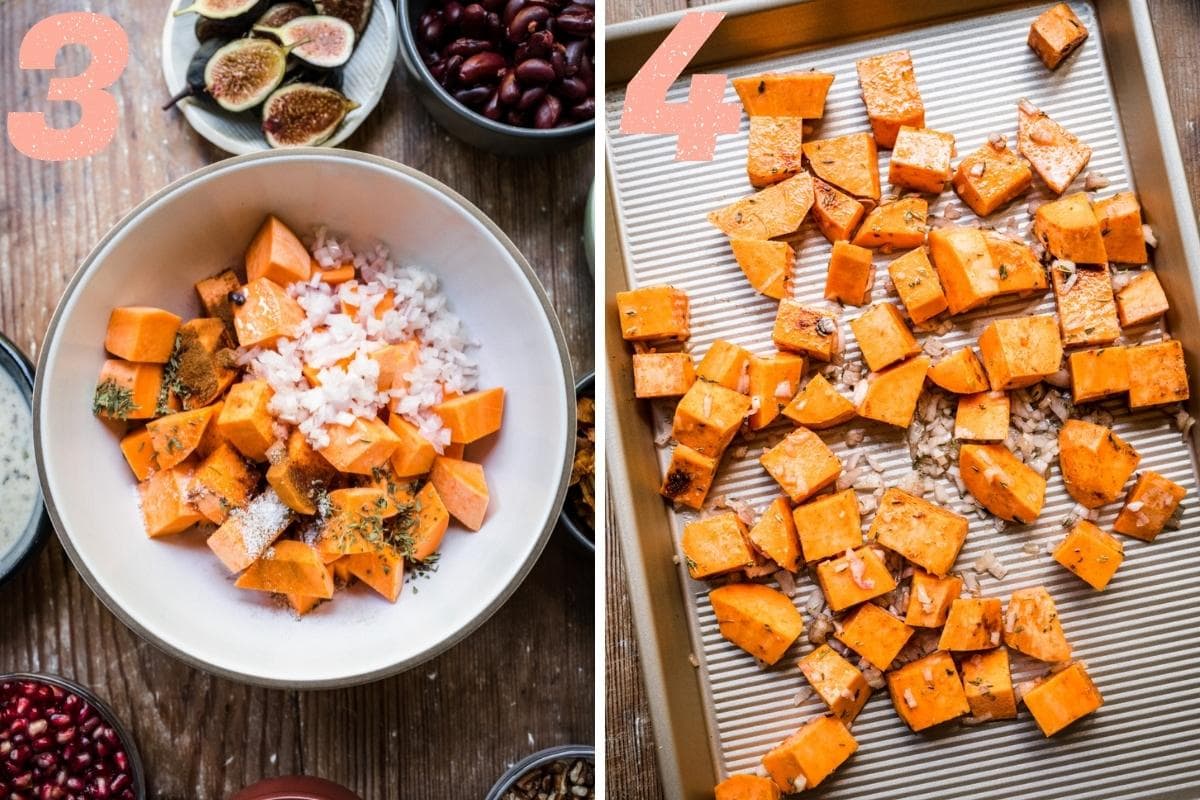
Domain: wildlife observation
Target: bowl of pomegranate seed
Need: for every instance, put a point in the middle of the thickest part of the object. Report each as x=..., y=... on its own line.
x=58, y=740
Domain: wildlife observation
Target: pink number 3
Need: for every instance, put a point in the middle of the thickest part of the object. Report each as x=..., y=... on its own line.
x=109, y=48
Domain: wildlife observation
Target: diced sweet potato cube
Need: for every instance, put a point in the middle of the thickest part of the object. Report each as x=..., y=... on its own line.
x=267, y=314
x=918, y=285
x=1020, y=351
x=774, y=535
x=395, y=361
x=141, y=333
x=802, y=464
x=289, y=567
x=899, y=225
x=929, y=599
x=166, y=504
x=414, y=453
x=245, y=420
x=708, y=417
x=1001, y=482
x=928, y=692
x=176, y=436
x=301, y=604
x=777, y=210
x=810, y=755
x=964, y=263
x=762, y=621
x=838, y=682
x=277, y=254
x=828, y=525
x=875, y=634
x=892, y=394
x=726, y=364
x=1148, y=506
x=1018, y=269
x=1055, y=34
x=1069, y=229
x=1157, y=374
x=662, y=374
x=921, y=159
x=991, y=177
x=806, y=330
x=126, y=390
x=300, y=475
x=819, y=405
x=1055, y=153
x=716, y=545
x=1032, y=626
x=472, y=416
x=960, y=372
x=1095, y=462
x=987, y=681
x=837, y=213
x=689, y=477
x=355, y=523
x=784, y=94
x=1098, y=373
x=334, y=276
x=205, y=362
x=1087, y=312
x=432, y=521
x=849, y=162
x=774, y=150
x=139, y=452
x=223, y=482
x=654, y=313
x=1063, y=698
x=1141, y=300
x=247, y=532
x=889, y=90
x=974, y=623
x=767, y=265
x=926, y=534
x=854, y=578
x=883, y=337
x=382, y=570
x=1121, y=228
x=746, y=787
x=214, y=297
x=982, y=417
x=463, y=489
x=851, y=274
x=1090, y=553
x=361, y=447
x=773, y=382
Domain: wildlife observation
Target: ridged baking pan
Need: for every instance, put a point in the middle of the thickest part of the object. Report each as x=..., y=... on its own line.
x=1138, y=638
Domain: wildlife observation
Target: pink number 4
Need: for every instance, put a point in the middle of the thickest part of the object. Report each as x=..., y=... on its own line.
x=109, y=48
x=698, y=121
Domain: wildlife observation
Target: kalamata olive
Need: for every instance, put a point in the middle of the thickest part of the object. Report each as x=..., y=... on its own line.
x=510, y=10
x=584, y=109
x=510, y=91
x=535, y=71
x=492, y=108
x=452, y=13
x=474, y=19
x=464, y=46
x=482, y=68
x=531, y=97
x=526, y=21
x=576, y=24
x=547, y=113
x=573, y=89
x=474, y=97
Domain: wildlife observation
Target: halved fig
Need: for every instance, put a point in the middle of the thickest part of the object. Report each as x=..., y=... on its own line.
x=325, y=42
x=223, y=9
x=244, y=72
x=304, y=114
x=356, y=12
x=195, y=72
x=283, y=13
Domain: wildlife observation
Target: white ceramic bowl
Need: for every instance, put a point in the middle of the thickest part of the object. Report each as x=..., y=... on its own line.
x=364, y=78
x=173, y=591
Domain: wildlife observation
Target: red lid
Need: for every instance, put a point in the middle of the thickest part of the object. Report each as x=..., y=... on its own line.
x=295, y=787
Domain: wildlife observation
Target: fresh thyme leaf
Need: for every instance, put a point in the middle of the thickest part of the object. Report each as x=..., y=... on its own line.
x=113, y=400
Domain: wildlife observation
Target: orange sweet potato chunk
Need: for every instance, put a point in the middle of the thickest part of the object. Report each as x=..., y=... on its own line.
x=139, y=452
x=974, y=623
x=987, y=681
x=1018, y=269
x=381, y=569
x=982, y=417
x=141, y=333
x=851, y=274
x=1055, y=153
x=746, y=787
x=433, y=519
x=689, y=477
x=361, y=447
x=838, y=682
x=414, y=454
x=960, y=373
x=790, y=94
x=921, y=159
x=875, y=634
x=247, y=532
x=176, y=436
x=806, y=330
x=267, y=314
x=245, y=420
x=969, y=274
x=214, y=297
x=1157, y=374
x=883, y=336
x=126, y=390
x=1095, y=462
x=726, y=364
x=1121, y=227
x=990, y=177
x=889, y=90
x=777, y=210
x=854, y=578
x=223, y=482
x=918, y=285
x=893, y=393
x=1055, y=34
x=849, y=162
x=774, y=535
x=819, y=405
x=654, y=313
x=924, y=533
x=928, y=692
x=1001, y=482
x=828, y=525
x=1087, y=311
x=356, y=521
x=289, y=567
x=810, y=755
x=1090, y=553
x=470, y=417
x=395, y=361
x=463, y=489
x=1032, y=626
x=1098, y=373
x=802, y=464
x=767, y=265
x=166, y=504
x=773, y=382
x=837, y=214
x=762, y=621
x=301, y=604
x=205, y=361
x=1141, y=300
x=774, y=150
x=708, y=417
x=716, y=545
x=898, y=226
x=662, y=374
x=1149, y=505
x=930, y=597
x=1069, y=229
x=1020, y=351
x=1063, y=698
x=300, y=475
x=277, y=254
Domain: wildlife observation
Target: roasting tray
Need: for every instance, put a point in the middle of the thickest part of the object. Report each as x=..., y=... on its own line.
x=1139, y=638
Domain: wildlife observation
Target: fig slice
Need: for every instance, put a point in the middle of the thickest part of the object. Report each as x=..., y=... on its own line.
x=244, y=72
x=304, y=114
x=222, y=9
x=195, y=71
x=321, y=41
x=356, y=12
x=283, y=13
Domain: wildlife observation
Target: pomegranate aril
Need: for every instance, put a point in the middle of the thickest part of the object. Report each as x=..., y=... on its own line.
x=120, y=782
x=60, y=720
x=63, y=737
x=42, y=744
x=121, y=760
x=23, y=781
x=45, y=761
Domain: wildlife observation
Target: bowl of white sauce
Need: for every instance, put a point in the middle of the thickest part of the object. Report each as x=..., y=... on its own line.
x=23, y=521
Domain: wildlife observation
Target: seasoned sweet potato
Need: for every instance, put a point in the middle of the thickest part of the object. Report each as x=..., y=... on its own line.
x=855, y=577
x=889, y=90
x=361, y=447
x=176, y=436
x=1149, y=505
x=1063, y=698
x=926, y=534
x=828, y=525
x=689, y=477
x=126, y=390
x=899, y=225
x=1098, y=373
x=726, y=364
x=802, y=464
x=762, y=621
x=960, y=372
x=414, y=453
x=654, y=313
x=1087, y=312
x=1020, y=351
x=432, y=522
x=662, y=374
x=1157, y=374
x=930, y=597
x=223, y=482
x=774, y=535
x=139, y=452
x=1069, y=230
x=836, y=681
x=892, y=394
x=784, y=94
x=1121, y=227
x=716, y=545
x=463, y=489
x=1055, y=34
x=166, y=502
x=837, y=213
x=851, y=274
x=767, y=264
x=810, y=755
x=928, y=692
x=1141, y=300
x=141, y=333
x=875, y=634
x=1001, y=482
x=991, y=177
x=773, y=381
x=277, y=254
x=708, y=416
x=974, y=623
x=883, y=337
x=806, y=330
x=289, y=567
x=982, y=417
x=1032, y=626
x=204, y=362
x=268, y=314
x=746, y=787
x=918, y=285
x=921, y=159
x=987, y=681
x=774, y=150
x=777, y=210
x=819, y=406
x=964, y=263
x=245, y=421
x=1017, y=268
x=1095, y=462
x=356, y=522
x=381, y=569
x=849, y=162
x=246, y=533
x=1055, y=153
x=1090, y=553
x=214, y=297
x=472, y=416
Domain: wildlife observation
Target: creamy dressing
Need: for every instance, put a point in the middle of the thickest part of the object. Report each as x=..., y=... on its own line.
x=18, y=484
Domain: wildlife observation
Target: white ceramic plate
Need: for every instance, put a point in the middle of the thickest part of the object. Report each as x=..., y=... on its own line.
x=173, y=591
x=364, y=77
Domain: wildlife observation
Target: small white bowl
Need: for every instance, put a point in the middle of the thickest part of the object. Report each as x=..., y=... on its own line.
x=364, y=77
x=173, y=591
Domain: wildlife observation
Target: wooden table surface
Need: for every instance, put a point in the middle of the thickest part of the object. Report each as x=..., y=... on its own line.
x=632, y=769
x=447, y=729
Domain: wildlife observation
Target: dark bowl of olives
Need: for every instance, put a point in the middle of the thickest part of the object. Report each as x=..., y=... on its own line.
x=514, y=77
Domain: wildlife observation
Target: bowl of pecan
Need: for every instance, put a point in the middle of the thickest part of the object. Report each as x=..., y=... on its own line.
x=558, y=773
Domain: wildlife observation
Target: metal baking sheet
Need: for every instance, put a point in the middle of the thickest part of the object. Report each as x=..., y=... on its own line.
x=1137, y=637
